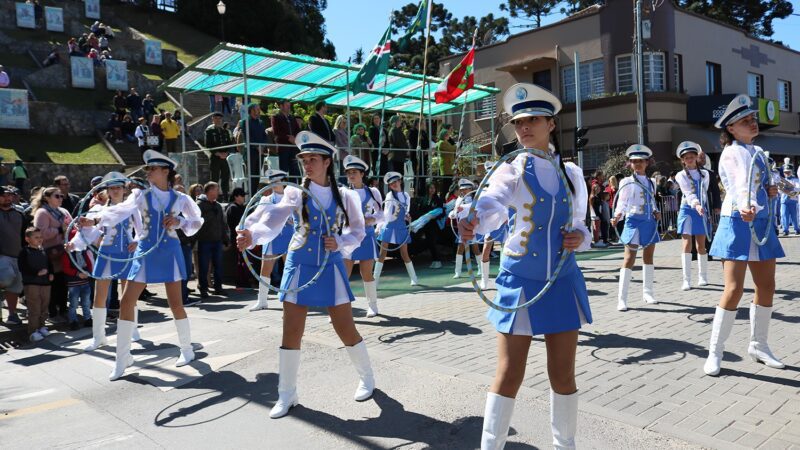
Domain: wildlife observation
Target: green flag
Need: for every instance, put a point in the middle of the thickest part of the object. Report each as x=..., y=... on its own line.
x=377, y=62
x=419, y=22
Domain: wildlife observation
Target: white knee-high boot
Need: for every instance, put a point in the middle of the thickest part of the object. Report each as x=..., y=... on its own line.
x=686, y=269
x=624, y=283
x=376, y=271
x=459, y=262
x=759, y=332
x=411, y=273
x=136, y=337
x=263, y=295
x=702, y=270
x=98, y=329
x=289, y=363
x=647, y=284
x=720, y=330
x=496, y=419
x=479, y=264
x=124, y=358
x=485, y=271
x=371, y=292
x=563, y=420
x=360, y=358
x=185, y=341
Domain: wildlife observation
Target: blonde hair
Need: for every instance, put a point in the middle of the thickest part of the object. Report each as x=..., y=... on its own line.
x=338, y=122
x=39, y=201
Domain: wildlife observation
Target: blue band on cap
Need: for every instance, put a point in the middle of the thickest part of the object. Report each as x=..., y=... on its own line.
x=393, y=179
x=533, y=104
x=321, y=147
x=160, y=162
x=644, y=154
x=734, y=113
x=355, y=165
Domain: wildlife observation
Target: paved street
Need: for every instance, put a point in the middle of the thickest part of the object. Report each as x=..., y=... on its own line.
x=639, y=374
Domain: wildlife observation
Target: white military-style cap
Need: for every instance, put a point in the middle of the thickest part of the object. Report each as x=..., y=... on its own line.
x=114, y=179
x=310, y=143
x=740, y=107
x=686, y=147
x=526, y=100
x=465, y=184
x=273, y=175
x=354, y=162
x=391, y=177
x=638, y=151
x=154, y=158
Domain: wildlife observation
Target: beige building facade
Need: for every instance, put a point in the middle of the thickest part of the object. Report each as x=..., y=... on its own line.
x=693, y=68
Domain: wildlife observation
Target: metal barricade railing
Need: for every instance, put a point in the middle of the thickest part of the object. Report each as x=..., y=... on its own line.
x=668, y=225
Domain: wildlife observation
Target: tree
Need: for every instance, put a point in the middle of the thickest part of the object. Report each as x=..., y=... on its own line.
x=295, y=26
x=358, y=56
x=753, y=16
x=535, y=9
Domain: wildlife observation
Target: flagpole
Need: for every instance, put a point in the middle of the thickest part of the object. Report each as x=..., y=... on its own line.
x=423, y=96
x=383, y=103
x=460, y=143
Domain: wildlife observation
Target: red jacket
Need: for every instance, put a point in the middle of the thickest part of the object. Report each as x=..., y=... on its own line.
x=70, y=271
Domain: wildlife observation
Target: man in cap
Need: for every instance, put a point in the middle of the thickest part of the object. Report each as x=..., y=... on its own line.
x=11, y=228
x=216, y=136
x=258, y=138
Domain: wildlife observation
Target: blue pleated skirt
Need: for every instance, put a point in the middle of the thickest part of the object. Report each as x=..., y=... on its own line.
x=105, y=268
x=640, y=231
x=367, y=250
x=691, y=222
x=734, y=242
x=395, y=234
x=165, y=264
x=331, y=289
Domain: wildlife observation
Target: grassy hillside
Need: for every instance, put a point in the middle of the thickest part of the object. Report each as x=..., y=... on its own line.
x=54, y=149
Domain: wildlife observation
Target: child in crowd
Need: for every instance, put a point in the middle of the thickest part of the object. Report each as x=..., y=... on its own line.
x=37, y=273
x=78, y=285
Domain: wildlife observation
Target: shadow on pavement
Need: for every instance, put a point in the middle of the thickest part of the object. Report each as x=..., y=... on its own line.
x=419, y=327
x=671, y=350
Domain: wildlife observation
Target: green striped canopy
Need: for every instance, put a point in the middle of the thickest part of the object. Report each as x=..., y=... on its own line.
x=277, y=75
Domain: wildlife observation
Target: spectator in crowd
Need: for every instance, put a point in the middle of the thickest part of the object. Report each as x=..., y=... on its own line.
x=120, y=103
x=177, y=116
x=195, y=191
x=79, y=288
x=148, y=107
x=341, y=136
x=418, y=136
x=134, y=104
x=95, y=57
x=141, y=134
x=114, y=128
x=11, y=226
x=155, y=129
x=4, y=172
x=285, y=128
x=52, y=219
x=128, y=128
x=52, y=58
x=217, y=136
x=19, y=175
x=432, y=230
x=598, y=178
x=378, y=135
x=398, y=143
x=4, y=79
x=95, y=28
x=187, y=247
x=319, y=125
x=360, y=143
x=213, y=235
x=38, y=13
x=258, y=138
x=611, y=188
x=233, y=215
x=70, y=201
x=109, y=32
x=445, y=153
x=73, y=49
x=170, y=131
x=83, y=43
x=37, y=273
x=103, y=44
x=93, y=42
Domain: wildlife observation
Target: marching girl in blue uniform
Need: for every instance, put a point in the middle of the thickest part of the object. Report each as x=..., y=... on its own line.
x=692, y=218
x=532, y=187
x=116, y=242
x=463, y=203
x=366, y=253
x=277, y=246
x=395, y=229
x=789, y=203
x=163, y=210
x=306, y=253
x=733, y=242
x=641, y=224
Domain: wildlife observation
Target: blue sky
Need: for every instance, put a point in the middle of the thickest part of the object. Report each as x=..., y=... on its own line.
x=359, y=23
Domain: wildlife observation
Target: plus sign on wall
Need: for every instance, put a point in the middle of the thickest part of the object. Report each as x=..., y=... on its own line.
x=754, y=55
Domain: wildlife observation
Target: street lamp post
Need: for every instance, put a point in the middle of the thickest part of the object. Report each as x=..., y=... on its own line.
x=221, y=10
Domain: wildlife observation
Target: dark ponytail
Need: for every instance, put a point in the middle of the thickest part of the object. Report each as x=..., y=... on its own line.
x=726, y=138
x=557, y=148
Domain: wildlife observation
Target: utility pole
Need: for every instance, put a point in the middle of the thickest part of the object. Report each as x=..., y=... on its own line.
x=641, y=105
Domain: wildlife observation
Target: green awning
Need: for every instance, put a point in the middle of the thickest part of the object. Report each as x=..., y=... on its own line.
x=277, y=75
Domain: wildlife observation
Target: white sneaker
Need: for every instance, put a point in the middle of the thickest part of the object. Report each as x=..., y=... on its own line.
x=36, y=337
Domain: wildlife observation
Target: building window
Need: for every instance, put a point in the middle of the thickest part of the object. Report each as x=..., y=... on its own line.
x=592, y=80
x=677, y=72
x=485, y=108
x=785, y=95
x=713, y=79
x=755, y=85
x=654, y=72
x=543, y=79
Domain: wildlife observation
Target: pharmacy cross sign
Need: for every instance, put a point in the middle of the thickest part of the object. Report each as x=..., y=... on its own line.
x=754, y=55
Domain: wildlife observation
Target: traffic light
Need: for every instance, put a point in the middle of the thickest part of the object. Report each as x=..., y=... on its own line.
x=580, y=140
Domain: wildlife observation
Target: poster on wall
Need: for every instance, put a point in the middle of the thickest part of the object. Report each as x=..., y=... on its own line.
x=14, y=109
x=116, y=75
x=152, y=52
x=25, y=15
x=54, y=18
x=92, y=8
x=82, y=72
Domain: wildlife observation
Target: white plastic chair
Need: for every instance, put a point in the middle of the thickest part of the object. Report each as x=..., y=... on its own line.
x=236, y=166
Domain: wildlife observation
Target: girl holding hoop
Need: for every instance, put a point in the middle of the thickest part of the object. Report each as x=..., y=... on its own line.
x=692, y=220
x=277, y=246
x=306, y=252
x=115, y=242
x=530, y=185
x=366, y=253
x=463, y=202
x=395, y=229
x=163, y=210
x=636, y=203
x=745, y=206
